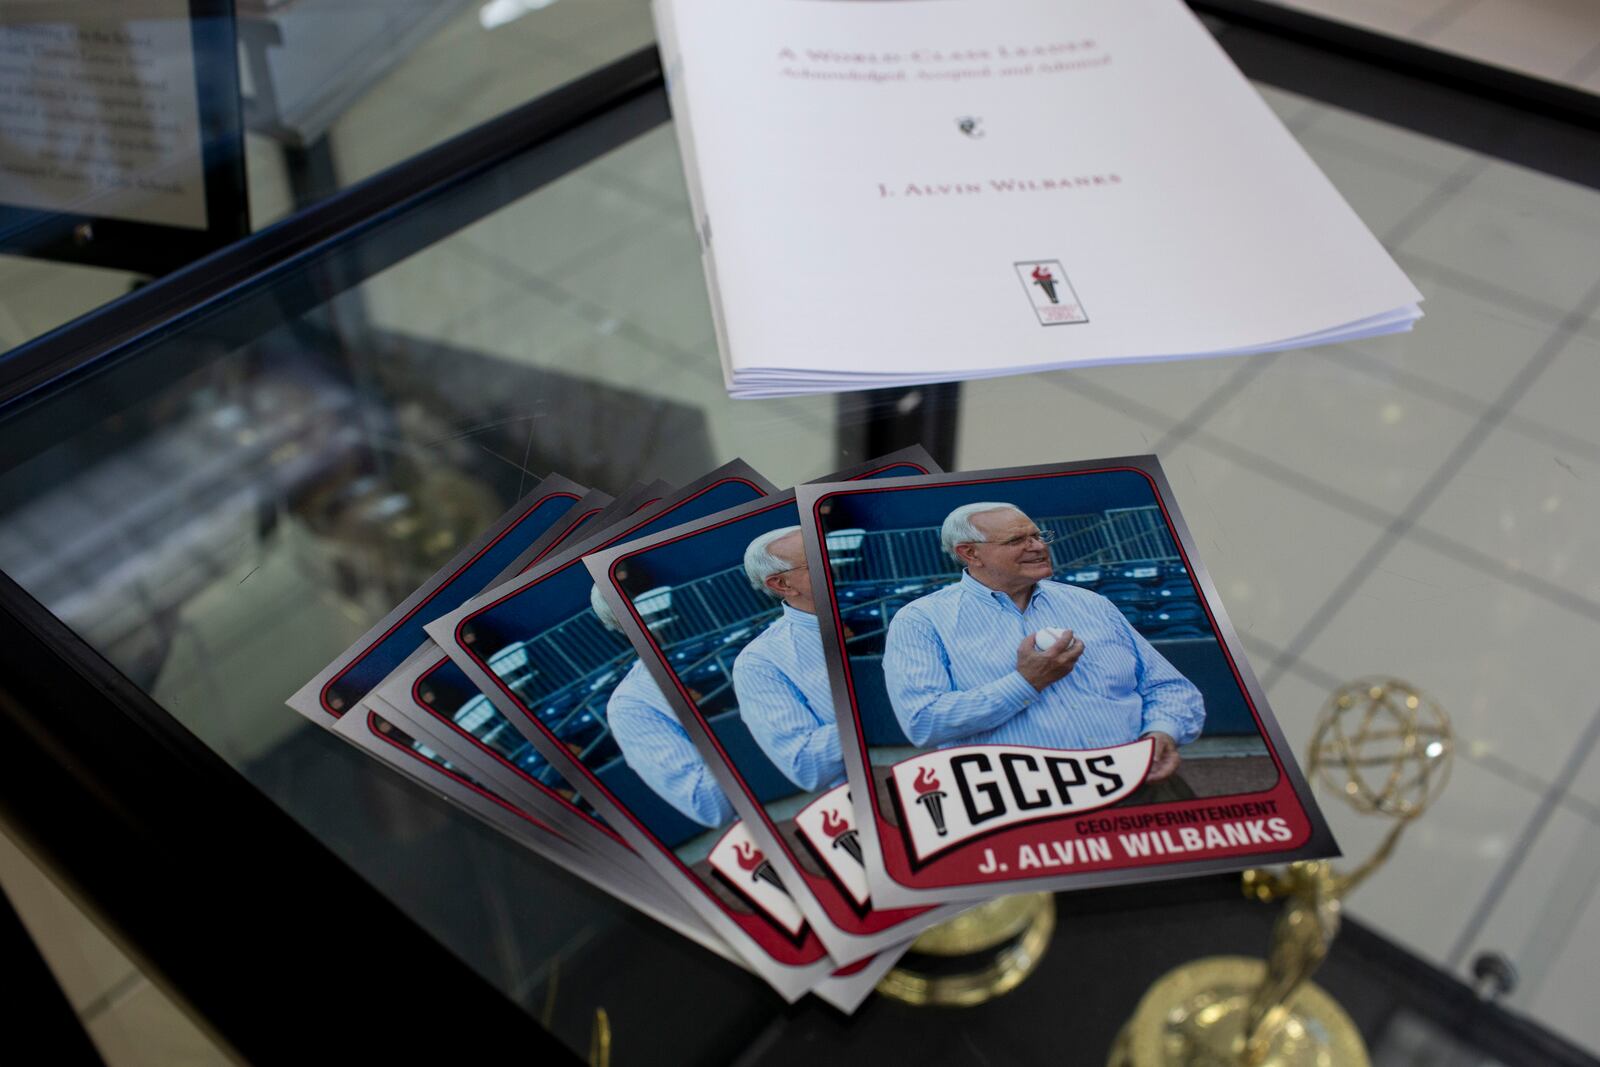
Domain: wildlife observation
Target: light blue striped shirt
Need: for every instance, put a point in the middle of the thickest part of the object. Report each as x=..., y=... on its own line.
x=950, y=664
x=781, y=681
x=658, y=749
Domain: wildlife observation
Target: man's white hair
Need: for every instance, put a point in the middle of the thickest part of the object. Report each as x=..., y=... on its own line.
x=958, y=528
x=759, y=562
x=602, y=610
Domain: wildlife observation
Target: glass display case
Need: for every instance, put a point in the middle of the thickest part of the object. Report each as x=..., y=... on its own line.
x=212, y=486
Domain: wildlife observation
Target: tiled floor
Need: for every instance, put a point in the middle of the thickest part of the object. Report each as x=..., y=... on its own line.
x=131, y=1022
x=1556, y=40
x=1422, y=505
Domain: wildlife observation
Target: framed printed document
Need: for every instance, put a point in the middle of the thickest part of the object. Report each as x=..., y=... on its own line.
x=121, y=142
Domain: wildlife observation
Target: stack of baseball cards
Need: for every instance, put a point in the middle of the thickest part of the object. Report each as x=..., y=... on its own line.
x=800, y=726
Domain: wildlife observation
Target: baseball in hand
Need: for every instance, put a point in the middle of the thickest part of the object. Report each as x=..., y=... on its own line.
x=1047, y=637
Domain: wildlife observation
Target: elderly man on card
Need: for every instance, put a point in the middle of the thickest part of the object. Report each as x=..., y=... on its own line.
x=1005, y=655
x=780, y=677
x=655, y=745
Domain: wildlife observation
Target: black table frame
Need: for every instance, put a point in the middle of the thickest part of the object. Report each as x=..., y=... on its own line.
x=99, y=781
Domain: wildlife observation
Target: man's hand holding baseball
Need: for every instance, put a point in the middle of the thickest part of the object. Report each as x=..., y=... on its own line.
x=1051, y=665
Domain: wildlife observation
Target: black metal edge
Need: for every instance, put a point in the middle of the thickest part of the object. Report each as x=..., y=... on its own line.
x=290, y=294
x=263, y=932
x=152, y=248
x=1497, y=112
x=1499, y=85
x=102, y=780
x=38, y=1012
x=880, y=421
x=146, y=313
x=215, y=26
x=1490, y=1029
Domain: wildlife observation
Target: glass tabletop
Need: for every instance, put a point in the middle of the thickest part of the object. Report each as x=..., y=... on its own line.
x=237, y=502
x=334, y=91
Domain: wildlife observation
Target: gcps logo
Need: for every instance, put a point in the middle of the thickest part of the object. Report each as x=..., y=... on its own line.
x=956, y=794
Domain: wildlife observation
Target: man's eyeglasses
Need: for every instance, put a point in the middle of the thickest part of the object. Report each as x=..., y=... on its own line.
x=1044, y=537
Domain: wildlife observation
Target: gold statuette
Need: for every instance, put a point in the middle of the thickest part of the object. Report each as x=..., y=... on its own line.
x=1386, y=749
x=980, y=954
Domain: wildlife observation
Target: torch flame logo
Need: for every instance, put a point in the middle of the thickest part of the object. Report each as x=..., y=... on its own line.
x=931, y=797
x=748, y=855
x=832, y=824
x=1046, y=281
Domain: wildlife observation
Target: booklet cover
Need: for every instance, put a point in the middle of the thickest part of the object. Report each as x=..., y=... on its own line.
x=1037, y=686
x=982, y=187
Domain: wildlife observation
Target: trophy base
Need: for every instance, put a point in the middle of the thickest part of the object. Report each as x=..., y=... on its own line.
x=977, y=956
x=1194, y=1016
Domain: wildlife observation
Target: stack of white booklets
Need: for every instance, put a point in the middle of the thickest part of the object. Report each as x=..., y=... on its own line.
x=898, y=192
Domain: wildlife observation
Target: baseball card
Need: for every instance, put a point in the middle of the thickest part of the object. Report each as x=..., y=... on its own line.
x=1038, y=688
x=433, y=701
x=553, y=665
x=633, y=885
x=359, y=669
x=845, y=988
x=721, y=613
x=487, y=769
